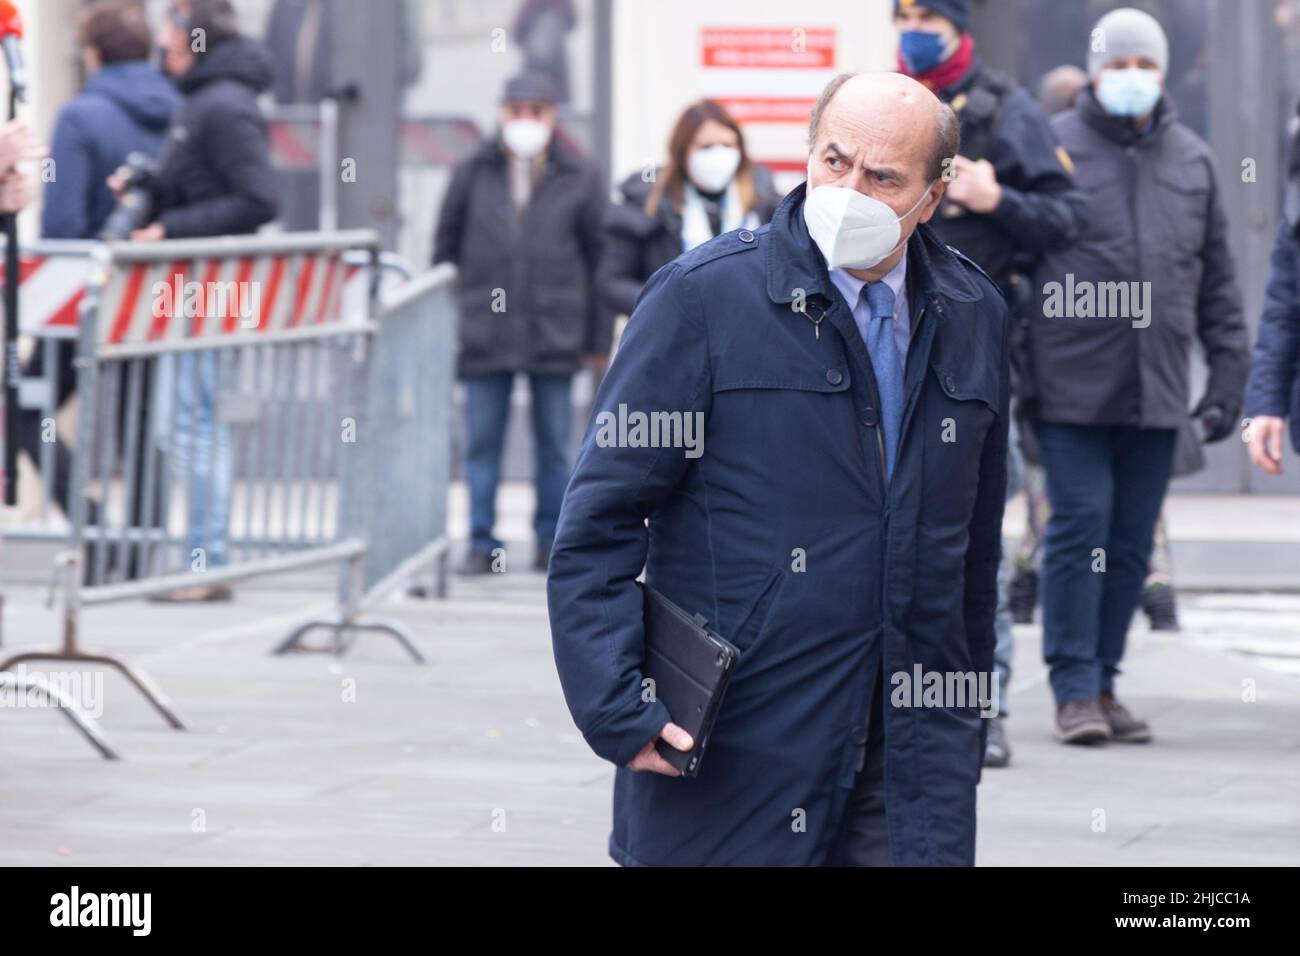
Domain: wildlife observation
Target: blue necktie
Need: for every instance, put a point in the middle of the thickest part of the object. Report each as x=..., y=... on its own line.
x=887, y=364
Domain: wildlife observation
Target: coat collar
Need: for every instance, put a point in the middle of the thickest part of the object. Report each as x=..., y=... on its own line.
x=1120, y=129
x=795, y=263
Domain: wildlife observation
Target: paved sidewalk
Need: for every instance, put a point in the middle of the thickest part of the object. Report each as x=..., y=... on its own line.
x=428, y=761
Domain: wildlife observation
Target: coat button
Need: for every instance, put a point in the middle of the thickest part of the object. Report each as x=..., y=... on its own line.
x=834, y=376
x=745, y=236
x=869, y=417
x=948, y=383
x=859, y=735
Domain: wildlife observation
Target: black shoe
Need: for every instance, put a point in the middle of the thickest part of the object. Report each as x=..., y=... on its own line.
x=1022, y=595
x=542, y=560
x=997, y=752
x=476, y=562
x=1161, y=607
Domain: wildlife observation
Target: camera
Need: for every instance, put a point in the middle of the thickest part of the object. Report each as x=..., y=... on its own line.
x=135, y=204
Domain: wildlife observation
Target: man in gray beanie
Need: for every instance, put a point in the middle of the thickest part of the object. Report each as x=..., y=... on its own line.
x=1109, y=385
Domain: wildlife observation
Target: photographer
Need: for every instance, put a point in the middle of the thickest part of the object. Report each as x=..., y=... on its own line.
x=214, y=176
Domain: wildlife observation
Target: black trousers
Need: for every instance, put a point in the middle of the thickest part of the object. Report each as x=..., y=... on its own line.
x=865, y=837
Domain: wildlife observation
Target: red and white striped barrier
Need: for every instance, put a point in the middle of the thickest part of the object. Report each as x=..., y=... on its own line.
x=51, y=287
x=205, y=298
x=165, y=300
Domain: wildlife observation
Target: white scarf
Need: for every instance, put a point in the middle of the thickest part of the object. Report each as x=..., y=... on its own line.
x=695, y=218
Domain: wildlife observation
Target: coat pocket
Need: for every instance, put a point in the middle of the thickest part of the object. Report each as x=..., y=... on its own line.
x=749, y=623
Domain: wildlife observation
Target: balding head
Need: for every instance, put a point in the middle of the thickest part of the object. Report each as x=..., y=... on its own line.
x=886, y=95
x=888, y=137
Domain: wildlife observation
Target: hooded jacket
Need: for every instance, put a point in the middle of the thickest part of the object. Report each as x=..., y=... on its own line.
x=124, y=109
x=215, y=176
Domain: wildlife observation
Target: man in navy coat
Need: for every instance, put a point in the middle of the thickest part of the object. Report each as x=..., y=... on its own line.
x=838, y=520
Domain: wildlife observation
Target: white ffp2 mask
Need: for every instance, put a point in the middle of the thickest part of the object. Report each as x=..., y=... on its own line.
x=852, y=230
x=525, y=137
x=713, y=167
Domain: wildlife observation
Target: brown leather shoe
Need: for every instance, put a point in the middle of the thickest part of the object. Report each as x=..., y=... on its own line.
x=1081, y=722
x=1124, y=727
x=199, y=594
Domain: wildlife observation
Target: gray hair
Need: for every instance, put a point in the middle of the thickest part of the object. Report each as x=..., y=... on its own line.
x=947, y=140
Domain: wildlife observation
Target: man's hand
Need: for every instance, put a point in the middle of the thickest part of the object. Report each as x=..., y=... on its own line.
x=15, y=191
x=149, y=233
x=974, y=185
x=1264, y=443
x=648, y=758
x=15, y=143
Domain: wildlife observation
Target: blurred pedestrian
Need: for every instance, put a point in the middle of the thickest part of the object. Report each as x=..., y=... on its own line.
x=214, y=178
x=522, y=222
x=1059, y=88
x=708, y=186
x=124, y=108
x=1057, y=93
x=1109, y=360
x=1273, y=393
x=1010, y=199
x=827, y=528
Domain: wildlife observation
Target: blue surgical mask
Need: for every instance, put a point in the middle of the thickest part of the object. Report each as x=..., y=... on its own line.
x=921, y=51
x=1130, y=92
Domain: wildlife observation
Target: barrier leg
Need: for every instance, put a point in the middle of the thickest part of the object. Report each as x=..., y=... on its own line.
x=346, y=627
x=65, y=704
x=71, y=652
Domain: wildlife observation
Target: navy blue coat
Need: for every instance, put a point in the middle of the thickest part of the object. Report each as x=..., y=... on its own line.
x=124, y=109
x=783, y=534
x=1274, y=387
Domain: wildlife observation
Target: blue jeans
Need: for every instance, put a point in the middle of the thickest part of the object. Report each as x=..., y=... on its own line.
x=200, y=450
x=1106, y=485
x=487, y=408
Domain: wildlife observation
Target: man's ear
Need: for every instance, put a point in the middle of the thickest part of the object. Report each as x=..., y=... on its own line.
x=936, y=194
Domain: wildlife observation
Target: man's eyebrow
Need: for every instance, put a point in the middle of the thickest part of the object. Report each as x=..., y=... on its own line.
x=888, y=172
x=838, y=151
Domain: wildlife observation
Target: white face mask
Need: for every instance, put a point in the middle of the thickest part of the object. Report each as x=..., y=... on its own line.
x=712, y=167
x=853, y=231
x=525, y=137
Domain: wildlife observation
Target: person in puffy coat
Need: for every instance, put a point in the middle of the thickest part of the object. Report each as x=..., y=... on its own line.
x=708, y=186
x=1109, y=359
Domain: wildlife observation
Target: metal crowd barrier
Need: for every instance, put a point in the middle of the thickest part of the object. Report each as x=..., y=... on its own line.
x=406, y=447
x=237, y=419
x=53, y=279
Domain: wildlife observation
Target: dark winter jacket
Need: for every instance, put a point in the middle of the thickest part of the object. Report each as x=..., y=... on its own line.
x=1111, y=333
x=785, y=535
x=526, y=279
x=637, y=245
x=125, y=108
x=216, y=177
x=1274, y=387
x=1041, y=207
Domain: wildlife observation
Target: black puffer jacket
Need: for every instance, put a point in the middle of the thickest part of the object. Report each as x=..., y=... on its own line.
x=636, y=245
x=215, y=175
x=525, y=278
x=1155, y=225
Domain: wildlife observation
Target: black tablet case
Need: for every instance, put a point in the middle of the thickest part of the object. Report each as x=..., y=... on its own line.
x=690, y=664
